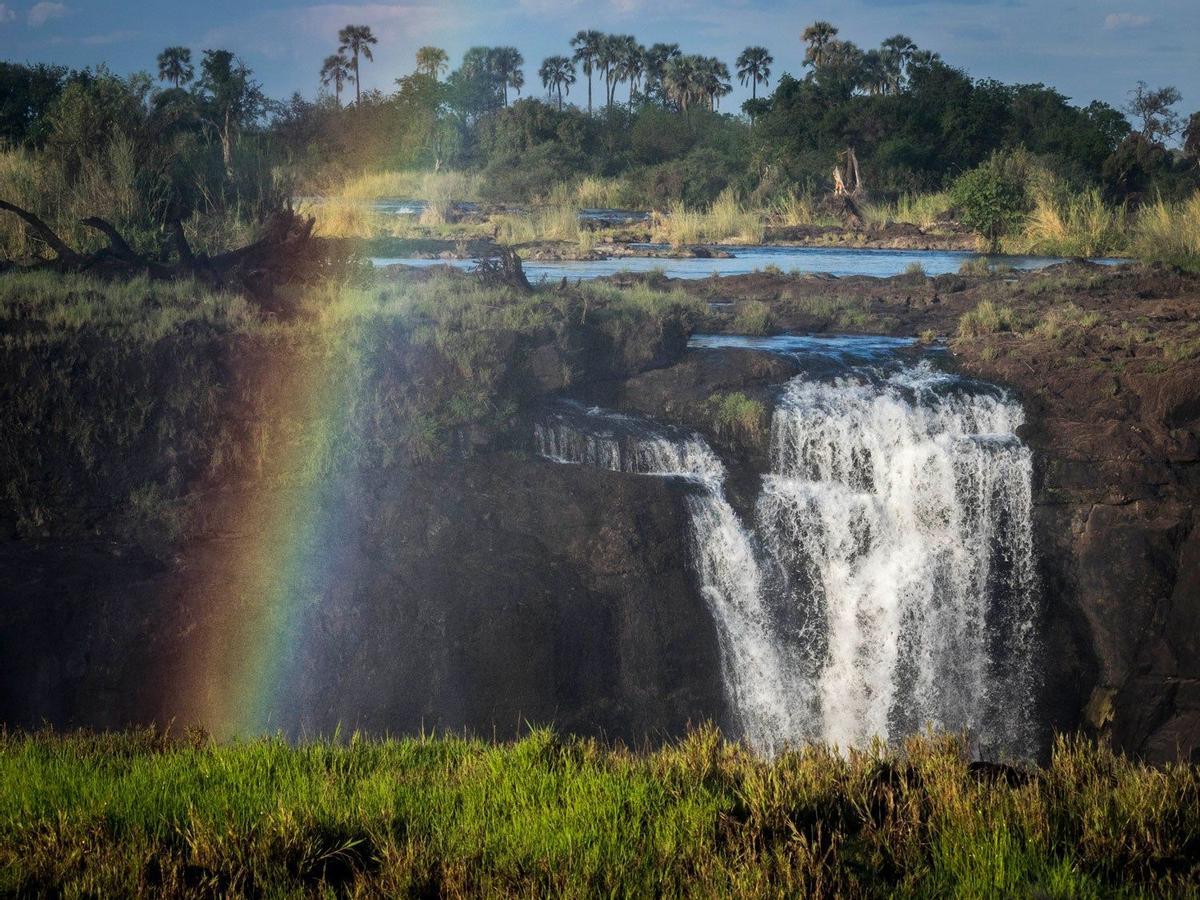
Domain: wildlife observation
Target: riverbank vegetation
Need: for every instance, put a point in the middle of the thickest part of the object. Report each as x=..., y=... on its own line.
x=904, y=135
x=143, y=813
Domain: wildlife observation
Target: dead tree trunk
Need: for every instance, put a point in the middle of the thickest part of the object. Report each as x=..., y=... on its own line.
x=286, y=252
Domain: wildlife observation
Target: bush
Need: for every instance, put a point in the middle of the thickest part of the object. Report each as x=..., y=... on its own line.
x=990, y=201
x=986, y=318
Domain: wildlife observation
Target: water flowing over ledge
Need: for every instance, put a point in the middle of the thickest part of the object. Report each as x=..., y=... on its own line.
x=887, y=579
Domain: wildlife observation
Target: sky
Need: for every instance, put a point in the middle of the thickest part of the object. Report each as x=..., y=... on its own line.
x=1087, y=50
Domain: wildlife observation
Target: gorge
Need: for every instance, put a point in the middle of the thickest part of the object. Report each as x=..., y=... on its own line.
x=902, y=543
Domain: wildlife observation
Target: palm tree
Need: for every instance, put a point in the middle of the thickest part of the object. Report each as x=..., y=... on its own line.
x=876, y=74
x=587, y=48
x=557, y=72
x=336, y=71
x=432, y=61
x=608, y=55
x=506, y=63
x=712, y=77
x=175, y=65
x=657, y=58
x=357, y=39
x=679, y=80
x=897, y=53
x=754, y=68
x=632, y=64
x=817, y=36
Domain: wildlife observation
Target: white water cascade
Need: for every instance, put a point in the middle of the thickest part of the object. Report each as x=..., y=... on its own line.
x=888, y=581
x=723, y=555
x=898, y=521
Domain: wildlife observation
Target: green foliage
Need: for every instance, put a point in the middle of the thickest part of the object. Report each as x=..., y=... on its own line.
x=141, y=813
x=990, y=200
x=753, y=317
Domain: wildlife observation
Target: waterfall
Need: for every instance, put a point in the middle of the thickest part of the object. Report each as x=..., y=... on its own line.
x=897, y=518
x=724, y=558
x=888, y=580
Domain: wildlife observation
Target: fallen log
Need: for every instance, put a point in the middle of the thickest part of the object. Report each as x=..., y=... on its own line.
x=286, y=252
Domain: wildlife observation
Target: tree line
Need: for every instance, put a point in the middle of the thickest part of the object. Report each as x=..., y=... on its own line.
x=650, y=113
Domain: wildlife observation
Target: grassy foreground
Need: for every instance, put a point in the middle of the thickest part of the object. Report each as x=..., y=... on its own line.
x=140, y=813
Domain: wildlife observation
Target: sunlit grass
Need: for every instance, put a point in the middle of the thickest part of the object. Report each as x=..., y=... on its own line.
x=1169, y=232
x=922, y=210
x=725, y=220
x=121, y=815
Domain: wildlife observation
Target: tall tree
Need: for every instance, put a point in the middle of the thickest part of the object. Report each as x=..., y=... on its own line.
x=817, y=36
x=608, y=55
x=754, y=68
x=232, y=99
x=587, y=49
x=432, y=61
x=1153, y=108
x=713, y=80
x=557, y=73
x=632, y=63
x=336, y=71
x=1191, y=138
x=657, y=58
x=175, y=66
x=357, y=40
x=506, y=63
x=681, y=81
x=896, y=54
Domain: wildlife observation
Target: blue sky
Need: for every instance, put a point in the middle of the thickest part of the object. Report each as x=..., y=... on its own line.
x=1088, y=50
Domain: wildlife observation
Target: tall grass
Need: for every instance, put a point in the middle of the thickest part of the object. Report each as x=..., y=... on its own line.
x=1170, y=233
x=725, y=220
x=922, y=210
x=594, y=192
x=139, y=814
x=1077, y=224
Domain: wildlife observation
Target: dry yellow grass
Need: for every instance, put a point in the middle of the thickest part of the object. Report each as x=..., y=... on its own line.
x=725, y=220
x=1169, y=232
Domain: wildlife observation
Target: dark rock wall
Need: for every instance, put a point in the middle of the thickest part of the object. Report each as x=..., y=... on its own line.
x=483, y=596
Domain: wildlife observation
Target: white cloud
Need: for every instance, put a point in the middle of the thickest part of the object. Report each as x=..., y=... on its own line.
x=1124, y=20
x=6, y=14
x=41, y=13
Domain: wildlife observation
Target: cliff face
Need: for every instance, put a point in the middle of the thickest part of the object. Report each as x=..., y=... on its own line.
x=1117, y=491
x=497, y=589
x=482, y=595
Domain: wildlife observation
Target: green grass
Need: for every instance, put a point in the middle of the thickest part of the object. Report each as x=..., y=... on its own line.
x=738, y=417
x=140, y=814
x=753, y=317
x=986, y=318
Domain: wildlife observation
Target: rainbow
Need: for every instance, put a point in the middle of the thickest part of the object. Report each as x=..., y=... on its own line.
x=278, y=546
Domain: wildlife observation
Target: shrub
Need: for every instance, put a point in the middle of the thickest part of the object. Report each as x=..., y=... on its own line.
x=1170, y=233
x=753, y=317
x=991, y=201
